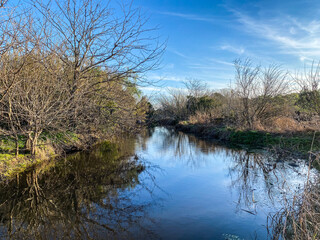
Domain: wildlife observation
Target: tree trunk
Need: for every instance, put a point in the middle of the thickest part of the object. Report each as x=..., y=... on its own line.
x=34, y=143
x=28, y=142
x=17, y=146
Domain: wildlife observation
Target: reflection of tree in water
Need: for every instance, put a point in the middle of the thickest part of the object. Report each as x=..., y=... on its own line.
x=250, y=175
x=189, y=148
x=260, y=181
x=87, y=196
x=144, y=136
x=299, y=216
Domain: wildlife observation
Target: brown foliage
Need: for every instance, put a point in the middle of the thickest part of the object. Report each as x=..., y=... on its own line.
x=74, y=67
x=284, y=124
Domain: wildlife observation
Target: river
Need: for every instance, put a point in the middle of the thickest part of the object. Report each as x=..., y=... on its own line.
x=161, y=184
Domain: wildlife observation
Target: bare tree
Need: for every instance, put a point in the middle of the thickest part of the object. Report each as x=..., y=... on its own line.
x=196, y=88
x=91, y=34
x=309, y=83
x=75, y=66
x=40, y=101
x=3, y=3
x=246, y=87
x=257, y=88
x=87, y=35
x=173, y=105
x=13, y=34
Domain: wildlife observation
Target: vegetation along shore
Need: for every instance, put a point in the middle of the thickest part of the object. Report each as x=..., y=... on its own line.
x=263, y=108
x=71, y=73
x=69, y=78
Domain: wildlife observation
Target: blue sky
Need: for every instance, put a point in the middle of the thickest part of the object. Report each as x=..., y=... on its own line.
x=205, y=37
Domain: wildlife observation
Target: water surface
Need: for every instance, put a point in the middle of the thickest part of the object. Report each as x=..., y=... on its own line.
x=160, y=185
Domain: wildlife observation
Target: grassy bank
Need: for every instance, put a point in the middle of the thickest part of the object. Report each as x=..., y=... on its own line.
x=298, y=143
x=49, y=147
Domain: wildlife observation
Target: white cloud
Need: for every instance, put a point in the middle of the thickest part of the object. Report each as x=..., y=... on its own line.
x=302, y=58
x=236, y=50
x=178, y=53
x=206, y=67
x=166, y=78
x=300, y=39
x=221, y=62
x=312, y=27
x=218, y=85
x=151, y=89
x=191, y=17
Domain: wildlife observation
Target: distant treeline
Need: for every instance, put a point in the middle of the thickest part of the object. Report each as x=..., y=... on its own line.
x=268, y=99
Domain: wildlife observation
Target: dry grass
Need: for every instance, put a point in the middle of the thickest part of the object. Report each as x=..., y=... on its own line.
x=45, y=152
x=287, y=124
x=201, y=118
x=300, y=217
x=283, y=124
x=273, y=125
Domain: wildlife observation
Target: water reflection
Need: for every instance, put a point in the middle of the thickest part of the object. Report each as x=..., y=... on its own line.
x=188, y=148
x=208, y=191
x=86, y=196
x=259, y=183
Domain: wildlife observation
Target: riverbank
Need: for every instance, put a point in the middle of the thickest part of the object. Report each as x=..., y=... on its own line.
x=290, y=143
x=49, y=147
x=175, y=171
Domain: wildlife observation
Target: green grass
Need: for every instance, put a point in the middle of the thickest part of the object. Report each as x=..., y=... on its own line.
x=297, y=142
x=8, y=145
x=10, y=165
x=248, y=137
x=64, y=137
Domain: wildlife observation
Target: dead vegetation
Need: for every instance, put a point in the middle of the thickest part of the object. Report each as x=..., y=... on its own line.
x=260, y=99
x=300, y=216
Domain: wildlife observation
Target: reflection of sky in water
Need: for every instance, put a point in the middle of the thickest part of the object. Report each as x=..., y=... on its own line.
x=212, y=191
x=188, y=189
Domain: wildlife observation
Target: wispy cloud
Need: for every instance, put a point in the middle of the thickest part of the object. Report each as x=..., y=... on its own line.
x=206, y=67
x=192, y=17
x=167, y=78
x=151, y=89
x=312, y=27
x=218, y=85
x=233, y=49
x=214, y=60
x=178, y=53
x=292, y=36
